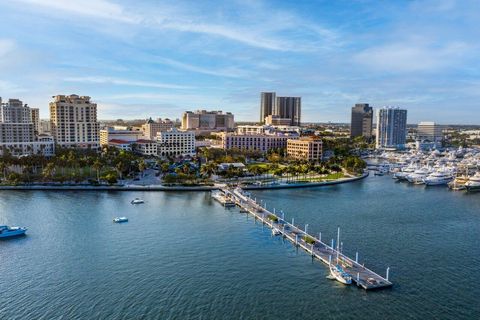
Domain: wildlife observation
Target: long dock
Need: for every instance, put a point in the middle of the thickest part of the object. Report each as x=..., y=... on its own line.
x=362, y=276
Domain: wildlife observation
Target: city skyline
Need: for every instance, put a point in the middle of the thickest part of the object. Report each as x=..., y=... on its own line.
x=139, y=59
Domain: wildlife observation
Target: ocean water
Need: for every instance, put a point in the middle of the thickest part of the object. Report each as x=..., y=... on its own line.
x=183, y=256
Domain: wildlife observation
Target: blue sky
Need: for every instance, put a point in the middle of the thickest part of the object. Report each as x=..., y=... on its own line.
x=138, y=59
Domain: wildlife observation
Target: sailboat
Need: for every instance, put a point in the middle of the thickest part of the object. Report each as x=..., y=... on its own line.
x=336, y=271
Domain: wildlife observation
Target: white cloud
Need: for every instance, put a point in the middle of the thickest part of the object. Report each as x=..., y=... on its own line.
x=412, y=56
x=93, y=8
x=125, y=82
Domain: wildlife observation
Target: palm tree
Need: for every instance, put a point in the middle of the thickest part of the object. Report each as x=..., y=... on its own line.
x=142, y=166
x=97, y=165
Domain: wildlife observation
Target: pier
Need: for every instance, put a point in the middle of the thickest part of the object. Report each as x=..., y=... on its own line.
x=328, y=254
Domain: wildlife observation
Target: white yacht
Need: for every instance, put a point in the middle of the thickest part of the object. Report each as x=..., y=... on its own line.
x=137, y=201
x=473, y=184
x=120, y=219
x=7, y=232
x=439, y=177
x=402, y=175
x=417, y=176
x=337, y=273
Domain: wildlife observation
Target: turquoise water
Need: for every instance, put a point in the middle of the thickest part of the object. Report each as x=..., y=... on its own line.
x=183, y=256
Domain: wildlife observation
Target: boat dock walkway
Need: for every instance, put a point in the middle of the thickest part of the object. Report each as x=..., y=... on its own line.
x=362, y=276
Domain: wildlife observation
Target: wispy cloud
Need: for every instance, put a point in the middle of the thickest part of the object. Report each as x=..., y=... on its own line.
x=231, y=72
x=125, y=82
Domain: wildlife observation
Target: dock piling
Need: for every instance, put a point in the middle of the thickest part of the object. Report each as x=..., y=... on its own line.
x=388, y=273
x=356, y=257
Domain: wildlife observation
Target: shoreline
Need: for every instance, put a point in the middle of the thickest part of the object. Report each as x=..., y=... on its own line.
x=177, y=188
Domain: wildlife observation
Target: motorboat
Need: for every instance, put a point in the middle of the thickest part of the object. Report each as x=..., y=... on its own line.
x=440, y=177
x=276, y=232
x=459, y=183
x=120, y=219
x=402, y=175
x=7, y=232
x=417, y=176
x=337, y=273
x=473, y=184
x=137, y=201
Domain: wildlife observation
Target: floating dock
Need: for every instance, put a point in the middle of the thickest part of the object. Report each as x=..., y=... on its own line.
x=362, y=276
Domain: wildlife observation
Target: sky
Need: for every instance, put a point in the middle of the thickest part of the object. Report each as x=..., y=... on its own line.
x=140, y=59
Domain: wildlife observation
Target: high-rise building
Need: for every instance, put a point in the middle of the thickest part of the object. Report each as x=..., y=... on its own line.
x=289, y=108
x=15, y=122
x=391, y=128
x=151, y=128
x=35, y=117
x=207, y=120
x=17, y=132
x=74, y=121
x=429, y=131
x=362, y=118
x=267, y=105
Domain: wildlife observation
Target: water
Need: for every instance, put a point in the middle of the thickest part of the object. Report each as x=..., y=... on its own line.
x=182, y=256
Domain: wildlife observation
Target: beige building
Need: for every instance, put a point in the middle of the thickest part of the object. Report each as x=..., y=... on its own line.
x=207, y=120
x=429, y=131
x=305, y=149
x=74, y=121
x=277, y=121
x=151, y=128
x=259, y=142
x=35, y=117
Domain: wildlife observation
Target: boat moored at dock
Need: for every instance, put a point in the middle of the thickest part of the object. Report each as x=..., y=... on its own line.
x=473, y=184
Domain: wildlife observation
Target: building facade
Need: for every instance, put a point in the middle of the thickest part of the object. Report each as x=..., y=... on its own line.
x=258, y=142
x=175, y=143
x=74, y=122
x=267, y=105
x=151, y=128
x=305, y=149
x=391, y=128
x=35, y=117
x=429, y=131
x=108, y=134
x=207, y=120
x=17, y=131
x=274, y=120
x=289, y=108
x=361, y=122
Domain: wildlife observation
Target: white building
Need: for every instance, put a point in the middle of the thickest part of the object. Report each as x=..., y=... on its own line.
x=176, y=143
x=74, y=121
x=258, y=142
x=146, y=147
x=266, y=129
x=108, y=134
x=391, y=128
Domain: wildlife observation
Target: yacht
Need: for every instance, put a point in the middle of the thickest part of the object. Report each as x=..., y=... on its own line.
x=402, y=175
x=337, y=273
x=438, y=178
x=7, y=232
x=137, y=201
x=417, y=176
x=459, y=183
x=473, y=184
x=120, y=219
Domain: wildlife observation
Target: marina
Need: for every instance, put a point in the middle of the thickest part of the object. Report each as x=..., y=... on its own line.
x=328, y=254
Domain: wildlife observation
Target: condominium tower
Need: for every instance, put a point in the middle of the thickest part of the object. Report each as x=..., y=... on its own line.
x=391, y=128
x=362, y=118
x=74, y=121
x=289, y=108
x=267, y=105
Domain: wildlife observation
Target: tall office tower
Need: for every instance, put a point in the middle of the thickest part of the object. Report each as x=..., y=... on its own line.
x=35, y=117
x=74, y=121
x=267, y=105
x=289, y=108
x=429, y=131
x=362, y=118
x=391, y=128
x=16, y=125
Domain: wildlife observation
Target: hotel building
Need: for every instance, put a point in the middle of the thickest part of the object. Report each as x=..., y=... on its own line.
x=74, y=121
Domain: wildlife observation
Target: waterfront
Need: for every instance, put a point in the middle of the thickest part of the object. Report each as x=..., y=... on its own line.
x=183, y=256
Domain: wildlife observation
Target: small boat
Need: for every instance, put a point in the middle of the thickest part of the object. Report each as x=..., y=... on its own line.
x=120, y=219
x=276, y=232
x=337, y=273
x=7, y=232
x=137, y=201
